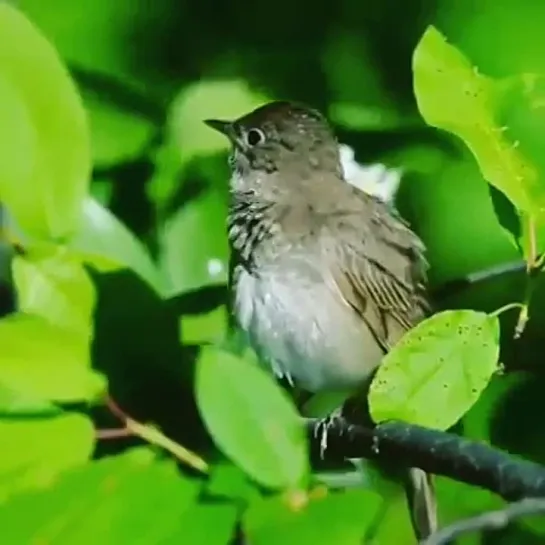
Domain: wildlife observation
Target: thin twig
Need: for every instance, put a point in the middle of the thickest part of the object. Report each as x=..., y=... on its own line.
x=492, y=520
x=116, y=433
x=156, y=437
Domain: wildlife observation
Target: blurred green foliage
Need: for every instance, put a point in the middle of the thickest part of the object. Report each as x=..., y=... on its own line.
x=122, y=284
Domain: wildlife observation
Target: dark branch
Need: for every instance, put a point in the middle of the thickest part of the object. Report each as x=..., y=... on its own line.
x=436, y=452
x=492, y=520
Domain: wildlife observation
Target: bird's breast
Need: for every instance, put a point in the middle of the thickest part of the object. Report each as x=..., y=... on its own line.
x=301, y=328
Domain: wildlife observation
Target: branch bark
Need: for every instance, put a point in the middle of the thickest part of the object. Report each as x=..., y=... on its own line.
x=436, y=452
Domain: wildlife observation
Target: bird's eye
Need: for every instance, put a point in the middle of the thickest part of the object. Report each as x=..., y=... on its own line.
x=254, y=137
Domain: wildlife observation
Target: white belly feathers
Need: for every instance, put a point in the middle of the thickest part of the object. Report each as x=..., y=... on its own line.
x=301, y=329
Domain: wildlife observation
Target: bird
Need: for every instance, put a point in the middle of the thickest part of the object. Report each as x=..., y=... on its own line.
x=324, y=278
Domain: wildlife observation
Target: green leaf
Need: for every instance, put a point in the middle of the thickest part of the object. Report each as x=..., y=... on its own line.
x=209, y=327
x=46, y=362
x=14, y=403
x=35, y=451
x=524, y=116
x=133, y=498
x=45, y=159
x=104, y=242
x=453, y=96
x=102, y=191
x=165, y=180
x=251, y=419
x=393, y=522
x=193, y=244
x=52, y=284
x=333, y=519
x=445, y=362
x=118, y=135
x=206, y=524
x=228, y=481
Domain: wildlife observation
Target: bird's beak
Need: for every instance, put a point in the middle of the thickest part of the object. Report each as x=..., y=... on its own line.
x=221, y=126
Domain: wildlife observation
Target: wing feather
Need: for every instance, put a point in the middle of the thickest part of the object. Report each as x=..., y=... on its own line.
x=383, y=275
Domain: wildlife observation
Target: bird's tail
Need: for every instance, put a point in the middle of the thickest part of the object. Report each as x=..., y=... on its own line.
x=422, y=502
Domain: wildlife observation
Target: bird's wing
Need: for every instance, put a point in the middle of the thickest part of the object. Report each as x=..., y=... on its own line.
x=380, y=271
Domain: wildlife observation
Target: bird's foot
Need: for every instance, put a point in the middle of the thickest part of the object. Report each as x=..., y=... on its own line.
x=323, y=427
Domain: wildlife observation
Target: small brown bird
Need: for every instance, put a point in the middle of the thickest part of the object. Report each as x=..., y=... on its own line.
x=325, y=278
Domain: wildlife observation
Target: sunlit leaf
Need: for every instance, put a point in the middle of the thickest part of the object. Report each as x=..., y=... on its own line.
x=445, y=362
x=15, y=403
x=45, y=158
x=104, y=242
x=251, y=419
x=132, y=498
x=35, y=450
x=45, y=361
x=334, y=518
x=54, y=285
x=452, y=95
x=505, y=36
x=523, y=113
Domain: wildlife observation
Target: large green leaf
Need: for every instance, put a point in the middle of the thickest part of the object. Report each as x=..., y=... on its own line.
x=104, y=242
x=452, y=95
x=44, y=140
x=52, y=284
x=331, y=519
x=35, y=450
x=445, y=362
x=229, y=481
x=251, y=419
x=133, y=498
x=44, y=361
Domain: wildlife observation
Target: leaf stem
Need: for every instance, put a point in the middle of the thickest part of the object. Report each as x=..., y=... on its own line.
x=534, y=264
x=507, y=307
x=156, y=437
